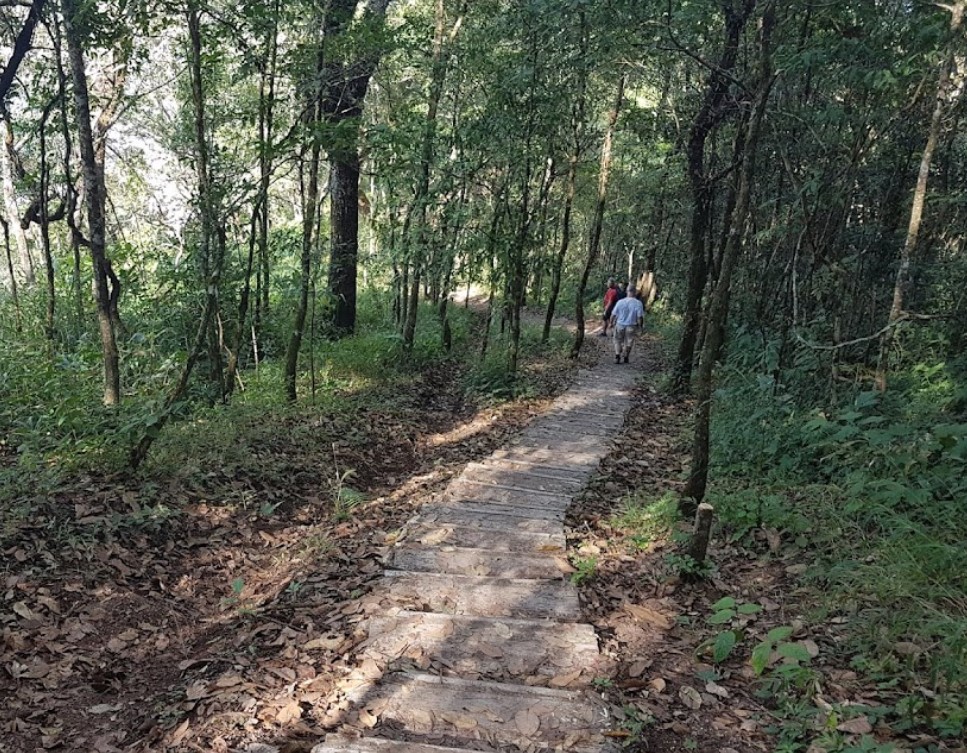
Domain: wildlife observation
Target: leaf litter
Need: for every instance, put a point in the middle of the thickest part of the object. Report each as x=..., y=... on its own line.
x=220, y=606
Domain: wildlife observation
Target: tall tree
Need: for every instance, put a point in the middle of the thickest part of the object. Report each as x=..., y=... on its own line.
x=597, y=223
x=694, y=491
x=712, y=110
x=347, y=78
x=94, y=193
x=946, y=83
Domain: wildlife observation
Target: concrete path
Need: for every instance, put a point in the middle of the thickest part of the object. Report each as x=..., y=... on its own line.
x=476, y=639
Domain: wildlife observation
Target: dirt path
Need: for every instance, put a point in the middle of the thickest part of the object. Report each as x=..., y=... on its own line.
x=476, y=635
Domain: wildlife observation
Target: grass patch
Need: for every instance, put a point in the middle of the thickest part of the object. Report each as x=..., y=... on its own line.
x=644, y=520
x=871, y=491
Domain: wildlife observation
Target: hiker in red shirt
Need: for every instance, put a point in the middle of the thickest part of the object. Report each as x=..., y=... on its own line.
x=610, y=298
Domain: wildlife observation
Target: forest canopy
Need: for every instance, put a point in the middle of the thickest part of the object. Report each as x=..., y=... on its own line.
x=206, y=205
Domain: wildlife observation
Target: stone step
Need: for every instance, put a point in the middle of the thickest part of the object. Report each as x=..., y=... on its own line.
x=500, y=714
x=496, y=502
x=489, y=519
x=575, y=428
x=525, y=482
x=492, y=467
x=483, y=538
x=484, y=597
x=597, y=416
x=495, y=649
x=530, y=500
x=544, y=461
x=344, y=743
x=550, y=450
x=463, y=561
x=566, y=440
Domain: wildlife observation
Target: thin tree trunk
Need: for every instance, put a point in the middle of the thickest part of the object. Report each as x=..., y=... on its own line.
x=309, y=209
x=95, y=198
x=20, y=47
x=594, y=241
x=45, y=227
x=438, y=74
x=708, y=116
x=70, y=213
x=12, y=210
x=695, y=487
x=902, y=281
x=213, y=263
x=570, y=189
x=259, y=231
x=14, y=292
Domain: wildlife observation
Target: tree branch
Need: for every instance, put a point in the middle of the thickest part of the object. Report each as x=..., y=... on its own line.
x=20, y=48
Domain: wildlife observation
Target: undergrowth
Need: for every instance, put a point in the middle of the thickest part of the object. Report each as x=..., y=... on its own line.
x=870, y=489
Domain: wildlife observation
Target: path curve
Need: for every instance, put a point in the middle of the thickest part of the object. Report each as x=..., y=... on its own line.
x=476, y=638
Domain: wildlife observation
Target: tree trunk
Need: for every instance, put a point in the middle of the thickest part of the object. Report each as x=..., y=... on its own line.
x=211, y=262
x=594, y=242
x=344, y=225
x=45, y=228
x=309, y=213
x=70, y=212
x=902, y=281
x=707, y=118
x=259, y=231
x=11, y=208
x=570, y=189
x=95, y=197
x=346, y=84
x=20, y=47
x=438, y=74
x=14, y=292
x=695, y=487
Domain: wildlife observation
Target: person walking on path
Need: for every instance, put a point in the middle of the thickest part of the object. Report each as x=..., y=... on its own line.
x=626, y=320
x=610, y=298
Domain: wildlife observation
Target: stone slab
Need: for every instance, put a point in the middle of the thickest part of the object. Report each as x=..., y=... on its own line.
x=484, y=597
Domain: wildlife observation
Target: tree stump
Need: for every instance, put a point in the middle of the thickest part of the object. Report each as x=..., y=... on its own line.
x=698, y=546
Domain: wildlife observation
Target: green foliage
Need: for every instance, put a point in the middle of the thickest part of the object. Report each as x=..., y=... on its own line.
x=870, y=487
x=643, y=519
x=585, y=568
x=634, y=721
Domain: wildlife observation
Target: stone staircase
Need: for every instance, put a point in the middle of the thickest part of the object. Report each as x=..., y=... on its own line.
x=475, y=639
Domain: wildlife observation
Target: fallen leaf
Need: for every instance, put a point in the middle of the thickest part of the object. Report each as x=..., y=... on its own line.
x=462, y=722
x=859, y=725
x=181, y=731
x=648, y=615
x=690, y=697
x=716, y=689
x=24, y=611
x=638, y=668
x=562, y=681
x=291, y=711
x=494, y=652
x=326, y=643
x=527, y=722
x=812, y=648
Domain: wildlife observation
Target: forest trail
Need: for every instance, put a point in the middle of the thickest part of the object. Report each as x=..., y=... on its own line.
x=476, y=635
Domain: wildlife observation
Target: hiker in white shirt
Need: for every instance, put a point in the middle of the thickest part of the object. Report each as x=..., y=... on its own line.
x=626, y=320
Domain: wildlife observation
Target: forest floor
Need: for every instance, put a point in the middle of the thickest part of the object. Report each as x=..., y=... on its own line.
x=214, y=607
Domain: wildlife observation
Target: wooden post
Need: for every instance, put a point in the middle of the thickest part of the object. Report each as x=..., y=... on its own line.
x=698, y=546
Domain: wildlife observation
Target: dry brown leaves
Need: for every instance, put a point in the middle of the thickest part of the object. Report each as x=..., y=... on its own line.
x=234, y=619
